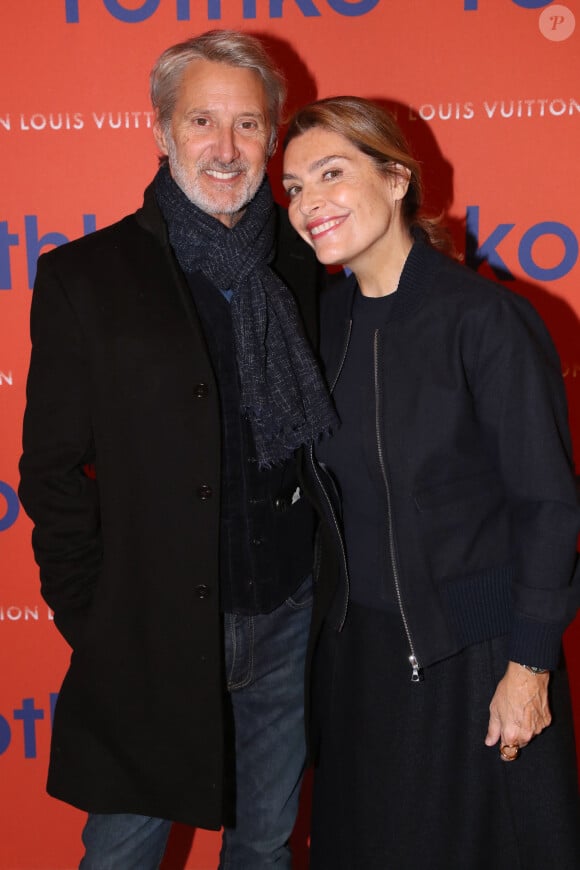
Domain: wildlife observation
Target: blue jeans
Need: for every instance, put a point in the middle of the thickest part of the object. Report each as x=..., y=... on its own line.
x=264, y=658
x=122, y=841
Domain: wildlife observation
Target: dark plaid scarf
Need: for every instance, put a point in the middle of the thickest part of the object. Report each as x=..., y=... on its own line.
x=282, y=391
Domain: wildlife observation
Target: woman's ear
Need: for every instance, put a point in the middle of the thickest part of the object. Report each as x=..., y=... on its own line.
x=400, y=179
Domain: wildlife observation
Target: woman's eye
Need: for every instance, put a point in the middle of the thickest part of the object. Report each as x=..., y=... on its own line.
x=331, y=174
x=292, y=191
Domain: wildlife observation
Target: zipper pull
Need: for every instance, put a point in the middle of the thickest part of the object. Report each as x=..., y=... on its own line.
x=416, y=676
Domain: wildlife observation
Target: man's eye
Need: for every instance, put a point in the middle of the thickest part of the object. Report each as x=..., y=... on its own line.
x=248, y=125
x=200, y=122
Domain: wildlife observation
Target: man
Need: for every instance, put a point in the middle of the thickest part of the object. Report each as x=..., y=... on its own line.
x=168, y=355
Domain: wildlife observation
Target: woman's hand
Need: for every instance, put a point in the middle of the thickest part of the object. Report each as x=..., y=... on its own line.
x=519, y=709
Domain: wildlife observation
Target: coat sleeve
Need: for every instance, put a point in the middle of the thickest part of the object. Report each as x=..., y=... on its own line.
x=56, y=492
x=521, y=404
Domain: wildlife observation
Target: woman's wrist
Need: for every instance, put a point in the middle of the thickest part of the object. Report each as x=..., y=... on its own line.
x=533, y=669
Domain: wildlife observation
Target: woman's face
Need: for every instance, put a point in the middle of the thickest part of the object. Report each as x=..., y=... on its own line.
x=340, y=203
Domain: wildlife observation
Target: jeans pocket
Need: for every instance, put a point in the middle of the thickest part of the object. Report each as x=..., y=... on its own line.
x=302, y=597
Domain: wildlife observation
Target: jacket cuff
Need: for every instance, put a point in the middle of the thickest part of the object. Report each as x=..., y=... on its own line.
x=536, y=643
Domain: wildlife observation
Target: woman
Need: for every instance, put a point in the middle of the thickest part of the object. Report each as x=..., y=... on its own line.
x=448, y=535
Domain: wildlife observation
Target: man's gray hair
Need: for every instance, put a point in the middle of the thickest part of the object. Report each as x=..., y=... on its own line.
x=220, y=46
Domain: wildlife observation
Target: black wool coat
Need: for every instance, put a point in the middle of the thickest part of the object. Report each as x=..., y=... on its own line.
x=120, y=376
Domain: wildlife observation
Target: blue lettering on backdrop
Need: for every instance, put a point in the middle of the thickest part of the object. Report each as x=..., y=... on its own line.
x=473, y=5
x=486, y=251
x=12, y=506
x=275, y=8
x=214, y=8
x=71, y=11
x=307, y=8
x=478, y=252
x=532, y=4
x=34, y=244
x=548, y=228
x=352, y=7
x=29, y=714
x=132, y=16
x=5, y=735
x=7, y=239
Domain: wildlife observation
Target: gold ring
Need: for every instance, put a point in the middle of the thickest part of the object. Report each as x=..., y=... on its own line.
x=509, y=751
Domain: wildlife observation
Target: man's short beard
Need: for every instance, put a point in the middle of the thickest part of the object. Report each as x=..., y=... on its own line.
x=192, y=189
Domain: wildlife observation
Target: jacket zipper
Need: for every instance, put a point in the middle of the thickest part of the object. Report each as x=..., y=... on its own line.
x=415, y=676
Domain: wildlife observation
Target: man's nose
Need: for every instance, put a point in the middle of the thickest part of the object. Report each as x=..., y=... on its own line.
x=226, y=148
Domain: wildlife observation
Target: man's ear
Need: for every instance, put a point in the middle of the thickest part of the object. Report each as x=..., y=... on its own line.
x=160, y=137
x=273, y=146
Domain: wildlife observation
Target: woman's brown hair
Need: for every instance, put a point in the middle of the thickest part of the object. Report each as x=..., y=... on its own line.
x=375, y=132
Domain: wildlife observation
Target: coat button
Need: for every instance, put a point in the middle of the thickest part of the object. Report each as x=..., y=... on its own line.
x=257, y=542
x=280, y=504
x=201, y=391
x=204, y=492
x=202, y=591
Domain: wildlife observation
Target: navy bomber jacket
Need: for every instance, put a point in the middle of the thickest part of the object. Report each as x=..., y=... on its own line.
x=483, y=512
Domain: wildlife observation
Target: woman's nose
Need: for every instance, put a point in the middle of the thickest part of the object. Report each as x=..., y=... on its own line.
x=310, y=201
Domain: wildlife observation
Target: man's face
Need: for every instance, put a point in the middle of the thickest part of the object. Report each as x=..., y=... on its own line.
x=217, y=139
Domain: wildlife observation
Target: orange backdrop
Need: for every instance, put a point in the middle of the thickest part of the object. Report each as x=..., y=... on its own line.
x=488, y=93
